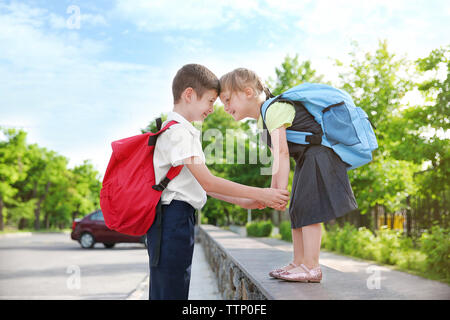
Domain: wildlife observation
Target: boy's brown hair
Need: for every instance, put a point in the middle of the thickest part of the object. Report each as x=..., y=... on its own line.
x=196, y=76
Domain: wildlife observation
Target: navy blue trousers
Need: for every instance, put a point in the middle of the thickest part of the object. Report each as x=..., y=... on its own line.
x=171, y=274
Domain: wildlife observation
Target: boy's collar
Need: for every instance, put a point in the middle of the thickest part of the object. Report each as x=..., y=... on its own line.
x=173, y=115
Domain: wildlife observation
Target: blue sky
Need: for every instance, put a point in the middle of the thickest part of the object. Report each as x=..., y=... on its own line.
x=74, y=90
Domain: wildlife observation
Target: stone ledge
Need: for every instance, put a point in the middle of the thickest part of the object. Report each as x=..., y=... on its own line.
x=242, y=264
x=234, y=279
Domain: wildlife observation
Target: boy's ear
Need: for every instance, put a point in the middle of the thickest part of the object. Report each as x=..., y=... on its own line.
x=188, y=93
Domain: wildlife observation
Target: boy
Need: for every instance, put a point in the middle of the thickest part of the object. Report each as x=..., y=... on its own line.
x=171, y=245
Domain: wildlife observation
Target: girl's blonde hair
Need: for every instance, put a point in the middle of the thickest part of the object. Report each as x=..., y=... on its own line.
x=241, y=78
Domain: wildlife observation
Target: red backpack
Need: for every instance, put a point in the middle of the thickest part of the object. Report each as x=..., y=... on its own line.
x=129, y=196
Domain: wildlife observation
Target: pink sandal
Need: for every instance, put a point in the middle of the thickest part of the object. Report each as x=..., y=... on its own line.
x=274, y=273
x=310, y=275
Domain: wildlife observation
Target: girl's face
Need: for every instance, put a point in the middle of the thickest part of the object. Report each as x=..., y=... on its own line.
x=236, y=104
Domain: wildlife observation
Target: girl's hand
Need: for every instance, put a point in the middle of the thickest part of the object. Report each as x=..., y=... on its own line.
x=280, y=208
x=274, y=198
x=252, y=204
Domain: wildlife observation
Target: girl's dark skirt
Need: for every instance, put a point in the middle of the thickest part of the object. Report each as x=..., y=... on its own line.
x=321, y=189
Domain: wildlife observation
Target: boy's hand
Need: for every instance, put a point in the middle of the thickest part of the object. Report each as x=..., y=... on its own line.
x=252, y=204
x=274, y=198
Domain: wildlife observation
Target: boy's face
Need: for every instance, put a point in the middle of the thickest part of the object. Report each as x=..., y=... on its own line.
x=235, y=104
x=202, y=107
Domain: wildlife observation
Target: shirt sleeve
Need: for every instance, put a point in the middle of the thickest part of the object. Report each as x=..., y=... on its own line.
x=179, y=144
x=279, y=114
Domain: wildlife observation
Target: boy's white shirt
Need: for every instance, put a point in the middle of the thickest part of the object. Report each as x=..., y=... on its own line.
x=174, y=145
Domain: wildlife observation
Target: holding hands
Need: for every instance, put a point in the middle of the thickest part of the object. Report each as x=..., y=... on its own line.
x=267, y=197
x=275, y=198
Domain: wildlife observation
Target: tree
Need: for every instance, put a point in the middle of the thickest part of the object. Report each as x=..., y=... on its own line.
x=292, y=73
x=85, y=189
x=237, y=161
x=377, y=83
x=11, y=167
x=36, y=182
x=427, y=140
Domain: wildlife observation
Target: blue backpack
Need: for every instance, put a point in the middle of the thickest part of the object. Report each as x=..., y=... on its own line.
x=346, y=128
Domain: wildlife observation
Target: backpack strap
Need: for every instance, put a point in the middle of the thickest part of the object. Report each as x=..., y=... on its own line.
x=171, y=174
x=158, y=123
x=154, y=136
x=173, y=171
x=299, y=137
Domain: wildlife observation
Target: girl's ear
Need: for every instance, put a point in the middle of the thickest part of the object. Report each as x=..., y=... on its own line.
x=249, y=92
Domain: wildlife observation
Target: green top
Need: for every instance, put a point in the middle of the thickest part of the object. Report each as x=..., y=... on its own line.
x=278, y=114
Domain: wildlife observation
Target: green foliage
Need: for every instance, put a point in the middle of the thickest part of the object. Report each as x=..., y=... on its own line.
x=285, y=231
x=436, y=246
x=292, y=73
x=432, y=256
x=36, y=186
x=388, y=242
x=259, y=228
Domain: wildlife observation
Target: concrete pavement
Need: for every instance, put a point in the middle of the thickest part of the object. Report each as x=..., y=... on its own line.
x=343, y=277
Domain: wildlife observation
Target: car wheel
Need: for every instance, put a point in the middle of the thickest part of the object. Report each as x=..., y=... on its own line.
x=87, y=240
x=109, y=245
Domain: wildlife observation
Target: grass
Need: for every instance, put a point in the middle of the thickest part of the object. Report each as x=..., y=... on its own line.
x=8, y=230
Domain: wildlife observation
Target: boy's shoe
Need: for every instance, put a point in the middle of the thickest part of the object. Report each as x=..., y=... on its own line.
x=274, y=273
x=310, y=275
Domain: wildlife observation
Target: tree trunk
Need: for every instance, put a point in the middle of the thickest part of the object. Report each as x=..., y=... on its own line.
x=37, y=210
x=46, y=220
x=227, y=215
x=375, y=217
x=408, y=216
x=22, y=223
x=37, y=214
x=1, y=214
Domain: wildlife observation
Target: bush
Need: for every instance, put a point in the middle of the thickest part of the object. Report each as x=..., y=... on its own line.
x=436, y=246
x=259, y=228
x=345, y=239
x=388, y=245
x=392, y=247
x=329, y=238
x=410, y=260
x=285, y=231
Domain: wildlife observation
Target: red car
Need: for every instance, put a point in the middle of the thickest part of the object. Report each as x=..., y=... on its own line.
x=92, y=228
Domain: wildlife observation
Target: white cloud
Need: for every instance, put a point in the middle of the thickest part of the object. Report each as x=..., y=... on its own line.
x=408, y=26
x=58, y=88
x=72, y=99
x=154, y=15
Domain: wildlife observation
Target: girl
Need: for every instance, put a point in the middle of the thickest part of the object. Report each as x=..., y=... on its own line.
x=321, y=189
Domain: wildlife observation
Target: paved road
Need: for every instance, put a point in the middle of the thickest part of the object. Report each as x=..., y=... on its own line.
x=46, y=266
x=52, y=266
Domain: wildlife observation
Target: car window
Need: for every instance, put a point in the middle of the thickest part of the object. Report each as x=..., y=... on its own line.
x=98, y=216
